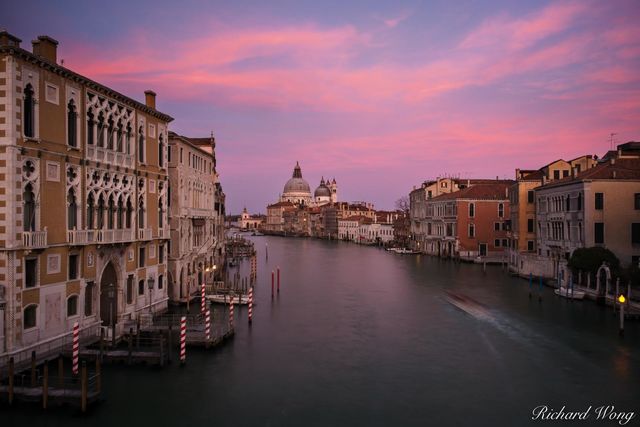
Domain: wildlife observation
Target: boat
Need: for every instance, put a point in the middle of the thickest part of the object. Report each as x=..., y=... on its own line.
x=257, y=233
x=393, y=250
x=405, y=251
x=569, y=293
x=224, y=299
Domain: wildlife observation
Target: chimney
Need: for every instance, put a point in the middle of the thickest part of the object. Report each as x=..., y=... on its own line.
x=150, y=99
x=46, y=47
x=10, y=40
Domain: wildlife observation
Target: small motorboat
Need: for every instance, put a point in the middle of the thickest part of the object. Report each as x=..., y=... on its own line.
x=405, y=251
x=569, y=293
x=242, y=299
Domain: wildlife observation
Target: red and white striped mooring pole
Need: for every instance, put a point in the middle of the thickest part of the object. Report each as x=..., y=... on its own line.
x=231, y=312
x=203, y=299
x=76, y=347
x=207, y=325
x=183, y=339
x=250, y=304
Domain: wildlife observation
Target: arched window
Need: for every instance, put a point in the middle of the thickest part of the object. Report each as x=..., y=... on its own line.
x=72, y=305
x=161, y=151
x=110, y=134
x=100, y=212
x=140, y=145
x=140, y=213
x=101, y=130
x=28, y=209
x=120, y=214
x=111, y=211
x=500, y=210
x=72, y=210
x=29, y=112
x=160, y=214
x=119, y=137
x=90, y=211
x=472, y=210
x=90, y=125
x=72, y=124
x=129, y=213
x=127, y=143
x=160, y=281
x=30, y=318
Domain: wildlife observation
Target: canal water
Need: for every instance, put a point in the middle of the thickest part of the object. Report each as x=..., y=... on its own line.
x=362, y=337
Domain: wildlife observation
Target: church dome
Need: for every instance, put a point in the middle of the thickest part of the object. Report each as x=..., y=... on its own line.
x=322, y=190
x=297, y=184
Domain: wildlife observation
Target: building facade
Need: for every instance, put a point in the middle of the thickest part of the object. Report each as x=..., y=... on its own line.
x=83, y=204
x=197, y=217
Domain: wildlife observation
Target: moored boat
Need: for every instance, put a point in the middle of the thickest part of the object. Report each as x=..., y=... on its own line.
x=569, y=293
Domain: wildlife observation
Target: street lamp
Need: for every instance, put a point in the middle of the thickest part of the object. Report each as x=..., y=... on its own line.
x=111, y=293
x=150, y=281
x=621, y=300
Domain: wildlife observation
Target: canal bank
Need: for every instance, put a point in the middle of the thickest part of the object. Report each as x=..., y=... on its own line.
x=357, y=336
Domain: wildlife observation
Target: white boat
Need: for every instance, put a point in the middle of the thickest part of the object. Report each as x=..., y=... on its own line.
x=393, y=250
x=403, y=251
x=225, y=298
x=569, y=293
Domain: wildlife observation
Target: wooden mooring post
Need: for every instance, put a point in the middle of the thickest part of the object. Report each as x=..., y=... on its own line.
x=11, y=374
x=130, y=345
x=33, y=369
x=45, y=384
x=98, y=376
x=84, y=388
x=169, y=343
x=60, y=372
x=101, y=355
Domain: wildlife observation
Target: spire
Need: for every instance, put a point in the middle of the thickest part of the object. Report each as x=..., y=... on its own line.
x=322, y=181
x=297, y=172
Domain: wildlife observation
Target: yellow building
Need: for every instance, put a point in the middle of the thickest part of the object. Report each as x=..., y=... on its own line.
x=522, y=234
x=83, y=201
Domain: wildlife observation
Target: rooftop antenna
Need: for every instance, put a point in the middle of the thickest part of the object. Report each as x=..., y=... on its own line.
x=611, y=135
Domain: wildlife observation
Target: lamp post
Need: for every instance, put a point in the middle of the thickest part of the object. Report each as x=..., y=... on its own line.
x=112, y=294
x=621, y=300
x=150, y=281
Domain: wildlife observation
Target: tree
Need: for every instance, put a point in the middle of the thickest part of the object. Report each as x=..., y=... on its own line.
x=402, y=204
x=590, y=259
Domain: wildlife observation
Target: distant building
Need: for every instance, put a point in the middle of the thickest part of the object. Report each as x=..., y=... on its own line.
x=297, y=191
x=276, y=214
x=469, y=223
x=247, y=221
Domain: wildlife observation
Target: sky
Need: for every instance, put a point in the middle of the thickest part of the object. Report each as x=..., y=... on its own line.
x=381, y=95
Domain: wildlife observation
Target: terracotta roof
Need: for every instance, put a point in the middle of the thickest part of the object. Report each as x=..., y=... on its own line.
x=281, y=205
x=356, y=218
x=494, y=191
x=618, y=169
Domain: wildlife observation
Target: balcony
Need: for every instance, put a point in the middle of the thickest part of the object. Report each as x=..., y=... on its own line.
x=88, y=237
x=145, y=234
x=104, y=155
x=163, y=233
x=34, y=239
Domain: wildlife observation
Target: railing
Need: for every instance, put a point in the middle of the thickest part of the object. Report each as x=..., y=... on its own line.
x=164, y=233
x=104, y=155
x=34, y=239
x=85, y=237
x=144, y=234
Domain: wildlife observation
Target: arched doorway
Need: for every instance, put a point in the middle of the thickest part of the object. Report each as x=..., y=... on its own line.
x=109, y=295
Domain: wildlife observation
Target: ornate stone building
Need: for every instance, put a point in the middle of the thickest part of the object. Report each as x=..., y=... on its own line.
x=83, y=201
x=197, y=215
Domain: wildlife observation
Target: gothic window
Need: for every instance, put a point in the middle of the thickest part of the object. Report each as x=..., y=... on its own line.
x=100, y=212
x=29, y=112
x=140, y=213
x=120, y=214
x=110, y=134
x=119, y=137
x=140, y=145
x=72, y=305
x=29, y=209
x=90, y=124
x=101, y=130
x=111, y=210
x=72, y=210
x=129, y=213
x=161, y=151
x=500, y=210
x=90, y=212
x=72, y=127
x=160, y=214
x=127, y=143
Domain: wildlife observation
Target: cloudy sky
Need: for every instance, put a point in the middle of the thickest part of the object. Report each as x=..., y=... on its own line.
x=379, y=95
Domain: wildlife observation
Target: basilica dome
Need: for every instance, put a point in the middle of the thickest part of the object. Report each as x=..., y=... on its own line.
x=322, y=190
x=296, y=190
